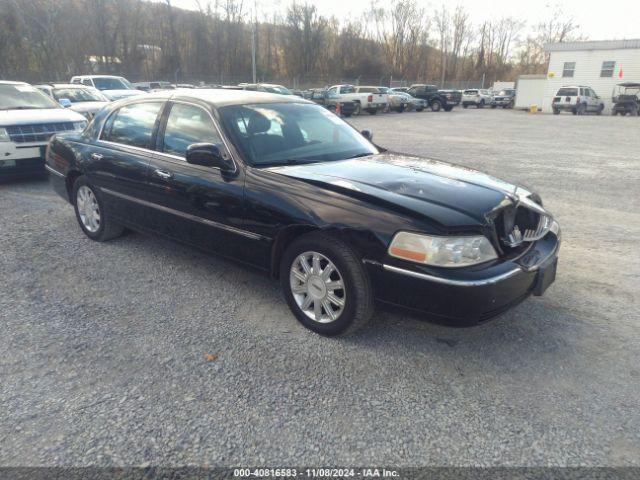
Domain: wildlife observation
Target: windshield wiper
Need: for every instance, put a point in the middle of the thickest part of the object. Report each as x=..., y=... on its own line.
x=359, y=155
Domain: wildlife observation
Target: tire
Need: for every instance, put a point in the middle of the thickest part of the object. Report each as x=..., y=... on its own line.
x=105, y=227
x=357, y=294
x=419, y=109
x=372, y=111
x=448, y=108
x=346, y=115
x=574, y=111
x=481, y=104
x=511, y=105
x=623, y=113
x=633, y=112
x=464, y=105
x=600, y=109
x=495, y=106
x=556, y=111
x=581, y=110
x=358, y=109
x=436, y=105
x=614, y=113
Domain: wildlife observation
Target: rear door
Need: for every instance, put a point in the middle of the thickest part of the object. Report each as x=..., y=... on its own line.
x=119, y=161
x=195, y=204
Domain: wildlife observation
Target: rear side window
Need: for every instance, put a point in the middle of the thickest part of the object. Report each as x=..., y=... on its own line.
x=87, y=81
x=133, y=124
x=186, y=125
x=567, y=92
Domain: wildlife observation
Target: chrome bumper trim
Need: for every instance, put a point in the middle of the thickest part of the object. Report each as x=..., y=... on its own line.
x=455, y=283
x=55, y=172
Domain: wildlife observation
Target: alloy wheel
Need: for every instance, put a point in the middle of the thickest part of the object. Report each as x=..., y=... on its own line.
x=88, y=209
x=317, y=287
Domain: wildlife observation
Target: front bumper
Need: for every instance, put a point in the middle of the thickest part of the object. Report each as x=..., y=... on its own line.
x=467, y=296
x=21, y=159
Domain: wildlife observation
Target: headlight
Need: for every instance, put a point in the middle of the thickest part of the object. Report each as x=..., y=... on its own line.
x=80, y=126
x=4, y=136
x=442, y=251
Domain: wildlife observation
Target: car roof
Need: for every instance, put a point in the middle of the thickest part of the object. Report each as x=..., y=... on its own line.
x=9, y=82
x=629, y=84
x=223, y=97
x=62, y=85
x=97, y=76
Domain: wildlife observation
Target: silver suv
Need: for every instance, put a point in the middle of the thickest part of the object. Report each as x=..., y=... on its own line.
x=578, y=100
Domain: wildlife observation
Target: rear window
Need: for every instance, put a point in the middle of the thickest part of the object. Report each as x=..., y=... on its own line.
x=470, y=92
x=567, y=92
x=368, y=90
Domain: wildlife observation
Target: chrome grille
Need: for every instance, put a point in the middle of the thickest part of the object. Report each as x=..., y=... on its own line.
x=37, y=133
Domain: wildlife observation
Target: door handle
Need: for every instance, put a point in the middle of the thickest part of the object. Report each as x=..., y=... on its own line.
x=96, y=156
x=163, y=174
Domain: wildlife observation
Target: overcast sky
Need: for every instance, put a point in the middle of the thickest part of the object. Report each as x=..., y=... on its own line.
x=598, y=19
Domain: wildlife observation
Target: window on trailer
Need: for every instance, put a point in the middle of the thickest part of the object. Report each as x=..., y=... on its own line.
x=607, y=69
x=569, y=69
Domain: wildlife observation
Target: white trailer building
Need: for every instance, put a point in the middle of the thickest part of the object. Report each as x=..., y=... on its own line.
x=596, y=64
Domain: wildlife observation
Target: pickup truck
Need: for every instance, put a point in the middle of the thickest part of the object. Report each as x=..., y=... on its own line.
x=365, y=98
x=437, y=99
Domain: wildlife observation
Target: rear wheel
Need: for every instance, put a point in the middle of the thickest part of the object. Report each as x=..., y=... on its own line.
x=556, y=111
x=464, y=105
x=326, y=285
x=582, y=109
x=448, y=108
x=93, y=218
x=372, y=111
x=600, y=109
x=436, y=106
x=358, y=109
x=495, y=106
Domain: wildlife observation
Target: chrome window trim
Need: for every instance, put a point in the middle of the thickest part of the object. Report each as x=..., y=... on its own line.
x=455, y=283
x=205, y=221
x=164, y=154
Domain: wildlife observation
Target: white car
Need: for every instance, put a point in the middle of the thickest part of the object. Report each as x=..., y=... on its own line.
x=28, y=118
x=112, y=87
x=365, y=98
x=477, y=97
x=578, y=100
x=85, y=100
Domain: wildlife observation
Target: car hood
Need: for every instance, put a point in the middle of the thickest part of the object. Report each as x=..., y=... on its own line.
x=118, y=94
x=37, y=116
x=84, y=107
x=453, y=196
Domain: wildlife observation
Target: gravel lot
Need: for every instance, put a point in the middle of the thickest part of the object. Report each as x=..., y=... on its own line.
x=141, y=351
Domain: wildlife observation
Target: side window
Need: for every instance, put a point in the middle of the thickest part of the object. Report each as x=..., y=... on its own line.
x=188, y=124
x=87, y=81
x=333, y=90
x=133, y=124
x=568, y=69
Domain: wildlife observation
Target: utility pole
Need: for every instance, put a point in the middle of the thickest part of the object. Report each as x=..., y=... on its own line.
x=253, y=44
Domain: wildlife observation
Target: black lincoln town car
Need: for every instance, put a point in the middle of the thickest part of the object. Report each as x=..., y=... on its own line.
x=282, y=184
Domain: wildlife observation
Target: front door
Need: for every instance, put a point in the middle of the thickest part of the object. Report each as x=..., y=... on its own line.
x=199, y=205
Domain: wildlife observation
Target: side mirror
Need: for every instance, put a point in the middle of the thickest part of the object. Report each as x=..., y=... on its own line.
x=207, y=155
x=64, y=102
x=367, y=134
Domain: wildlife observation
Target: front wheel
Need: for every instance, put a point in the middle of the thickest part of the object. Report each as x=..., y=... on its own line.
x=93, y=218
x=436, y=106
x=556, y=111
x=358, y=109
x=495, y=106
x=448, y=108
x=326, y=285
x=372, y=111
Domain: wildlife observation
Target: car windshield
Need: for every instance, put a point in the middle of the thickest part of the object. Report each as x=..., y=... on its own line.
x=506, y=92
x=568, y=92
x=292, y=133
x=24, y=97
x=278, y=89
x=78, y=95
x=112, y=83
